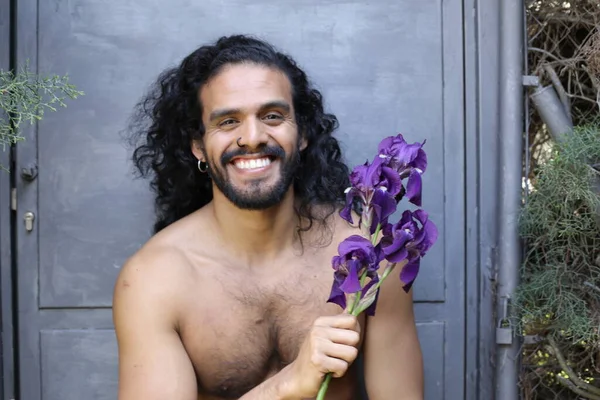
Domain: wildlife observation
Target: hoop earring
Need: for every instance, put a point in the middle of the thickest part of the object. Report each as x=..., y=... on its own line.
x=238, y=142
x=202, y=166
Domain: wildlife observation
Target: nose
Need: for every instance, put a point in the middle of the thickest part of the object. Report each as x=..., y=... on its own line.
x=253, y=135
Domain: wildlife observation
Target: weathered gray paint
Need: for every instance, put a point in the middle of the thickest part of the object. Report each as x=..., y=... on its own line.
x=90, y=371
x=6, y=328
x=394, y=66
x=481, y=108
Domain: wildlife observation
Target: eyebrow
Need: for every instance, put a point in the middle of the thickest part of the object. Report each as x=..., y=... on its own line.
x=229, y=111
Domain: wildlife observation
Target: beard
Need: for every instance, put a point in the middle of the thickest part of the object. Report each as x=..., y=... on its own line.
x=257, y=195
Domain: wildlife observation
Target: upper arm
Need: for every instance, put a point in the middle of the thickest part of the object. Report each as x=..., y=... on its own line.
x=153, y=363
x=393, y=360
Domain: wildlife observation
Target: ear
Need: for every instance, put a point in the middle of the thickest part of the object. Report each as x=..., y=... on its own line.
x=198, y=150
x=303, y=143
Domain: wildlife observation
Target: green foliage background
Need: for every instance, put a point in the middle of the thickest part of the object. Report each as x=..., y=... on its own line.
x=558, y=300
x=25, y=96
x=560, y=290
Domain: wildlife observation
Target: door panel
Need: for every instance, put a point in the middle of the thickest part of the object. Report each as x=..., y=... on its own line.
x=384, y=68
x=78, y=364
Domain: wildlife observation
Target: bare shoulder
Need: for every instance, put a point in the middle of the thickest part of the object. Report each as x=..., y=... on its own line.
x=147, y=308
x=154, y=268
x=156, y=274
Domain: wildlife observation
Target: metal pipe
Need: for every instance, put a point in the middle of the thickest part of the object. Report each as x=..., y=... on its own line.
x=552, y=111
x=511, y=101
x=560, y=90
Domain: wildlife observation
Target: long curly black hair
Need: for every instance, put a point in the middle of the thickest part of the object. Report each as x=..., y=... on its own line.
x=168, y=118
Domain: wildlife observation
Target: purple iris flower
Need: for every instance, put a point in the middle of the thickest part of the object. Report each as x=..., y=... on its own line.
x=376, y=185
x=409, y=239
x=409, y=161
x=356, y=255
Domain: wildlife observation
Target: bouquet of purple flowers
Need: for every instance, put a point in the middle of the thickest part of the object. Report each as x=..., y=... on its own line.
x=378, y=187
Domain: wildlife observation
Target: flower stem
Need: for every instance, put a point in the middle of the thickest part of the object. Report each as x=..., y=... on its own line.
x=324, y=387
x=376, y=234
x=358, y=295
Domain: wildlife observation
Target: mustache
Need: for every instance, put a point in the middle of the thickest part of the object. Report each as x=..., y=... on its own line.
x=265, y=151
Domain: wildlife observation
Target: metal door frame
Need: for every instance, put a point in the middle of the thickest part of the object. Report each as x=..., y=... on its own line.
x=26, y=243
x=482, y=45
x=7, y=372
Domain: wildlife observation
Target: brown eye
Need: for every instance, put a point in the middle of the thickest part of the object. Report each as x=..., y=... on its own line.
x=227, y=122
x=272, y=117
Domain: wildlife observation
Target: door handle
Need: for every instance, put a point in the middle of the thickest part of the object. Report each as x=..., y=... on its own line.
x=29, y=173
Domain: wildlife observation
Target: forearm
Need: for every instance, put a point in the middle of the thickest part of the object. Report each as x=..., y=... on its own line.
x=276, y=387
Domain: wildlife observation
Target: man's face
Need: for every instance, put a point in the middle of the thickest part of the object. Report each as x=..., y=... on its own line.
x=252, y=104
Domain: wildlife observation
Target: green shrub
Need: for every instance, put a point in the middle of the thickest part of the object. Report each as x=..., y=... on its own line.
x=25, y=96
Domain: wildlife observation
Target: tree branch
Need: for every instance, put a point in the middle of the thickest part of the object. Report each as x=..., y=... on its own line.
x=553, y=348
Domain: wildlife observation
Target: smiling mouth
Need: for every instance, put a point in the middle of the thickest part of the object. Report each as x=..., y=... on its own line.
x=250, y=164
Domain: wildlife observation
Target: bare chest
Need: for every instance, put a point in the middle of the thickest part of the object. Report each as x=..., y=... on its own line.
x=252, y=327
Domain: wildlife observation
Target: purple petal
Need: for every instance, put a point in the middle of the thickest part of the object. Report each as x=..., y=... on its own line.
x=391, y=144
x=346, y=212
x=354, y=242
x=394, y=248
x=384, y=205
x=397, y=256
x=409, y=274
x=407, y=287
x=408, y=153
x=373, y=176
x=386, y=229
x=387, y=203
x=413, y=188
x=420, y=239
x=337, y=296
x=420, y=161
x=337, y=261
x=351, y=284
x=375, y=218
x=421, y=215
x=358, y=174
x=385, y=144
x=407, y=217
x=391, y=179
x=379, y=254
x=431, y=233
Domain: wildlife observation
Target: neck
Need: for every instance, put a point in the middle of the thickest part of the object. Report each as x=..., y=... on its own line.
x=256, y=236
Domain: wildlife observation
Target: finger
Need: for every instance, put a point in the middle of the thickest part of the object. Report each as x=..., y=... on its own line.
x=336, y=366
x=340, y=351
x=342, y=336
x=356, y=326
x=343, y=321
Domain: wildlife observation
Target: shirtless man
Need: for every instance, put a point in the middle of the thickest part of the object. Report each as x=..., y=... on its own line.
x=228, y=299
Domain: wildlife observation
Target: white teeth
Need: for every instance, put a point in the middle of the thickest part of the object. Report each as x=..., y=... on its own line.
x=252, y=164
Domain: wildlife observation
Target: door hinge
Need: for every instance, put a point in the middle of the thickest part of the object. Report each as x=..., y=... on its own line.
x=531, y=80
x=13, y=199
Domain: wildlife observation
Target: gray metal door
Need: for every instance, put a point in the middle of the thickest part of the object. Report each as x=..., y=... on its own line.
x=384, y=67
